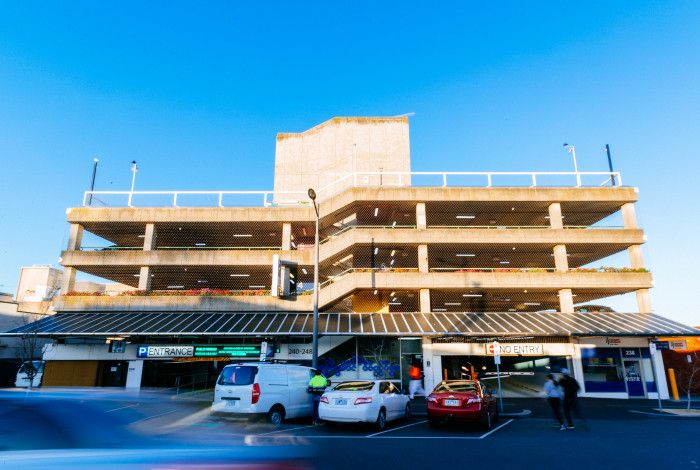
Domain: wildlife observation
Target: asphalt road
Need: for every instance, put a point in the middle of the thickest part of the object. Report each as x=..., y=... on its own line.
x=615, y=434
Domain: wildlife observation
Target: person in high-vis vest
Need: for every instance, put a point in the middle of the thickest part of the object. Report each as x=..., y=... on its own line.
x=415, y=385
x=317, y=385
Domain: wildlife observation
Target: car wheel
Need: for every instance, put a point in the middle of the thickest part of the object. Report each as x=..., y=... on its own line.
x=407, y=411
x=381, y=420
x=275, y=416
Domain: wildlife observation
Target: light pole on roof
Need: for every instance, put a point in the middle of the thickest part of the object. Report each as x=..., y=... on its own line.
x=572, y=150
x=314, y=341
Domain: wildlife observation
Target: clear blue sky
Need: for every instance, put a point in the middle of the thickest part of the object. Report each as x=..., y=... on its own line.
x=197, y=91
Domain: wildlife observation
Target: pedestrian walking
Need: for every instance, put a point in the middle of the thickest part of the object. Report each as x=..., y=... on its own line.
x=553, y=394
x=415, y=385
x=570, y=388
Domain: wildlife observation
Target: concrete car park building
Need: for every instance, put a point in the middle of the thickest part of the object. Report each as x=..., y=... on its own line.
x=428, y=266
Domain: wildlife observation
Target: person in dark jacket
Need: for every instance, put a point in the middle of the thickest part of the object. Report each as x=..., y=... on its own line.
x=570, y=402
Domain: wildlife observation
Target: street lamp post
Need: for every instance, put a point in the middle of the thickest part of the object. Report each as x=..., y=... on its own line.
x=572, y=150
x=314, y=341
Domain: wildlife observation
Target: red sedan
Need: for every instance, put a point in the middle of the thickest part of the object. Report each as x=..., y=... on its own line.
x=462, y=401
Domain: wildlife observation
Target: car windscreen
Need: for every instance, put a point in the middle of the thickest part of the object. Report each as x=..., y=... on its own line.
x=354, y=386
x=459, y=387
x=238, y=375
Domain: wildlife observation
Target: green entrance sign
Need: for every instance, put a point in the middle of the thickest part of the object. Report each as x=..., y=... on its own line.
x=229, y=350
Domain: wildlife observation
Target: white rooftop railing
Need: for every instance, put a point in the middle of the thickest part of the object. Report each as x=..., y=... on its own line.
x=487, y=179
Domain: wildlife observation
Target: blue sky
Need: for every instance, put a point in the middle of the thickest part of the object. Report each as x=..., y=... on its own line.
x=196, y=93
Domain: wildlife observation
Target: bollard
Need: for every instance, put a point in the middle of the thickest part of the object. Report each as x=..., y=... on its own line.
x=674, y=385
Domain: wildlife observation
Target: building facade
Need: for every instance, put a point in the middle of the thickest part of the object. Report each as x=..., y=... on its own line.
x=425, y=267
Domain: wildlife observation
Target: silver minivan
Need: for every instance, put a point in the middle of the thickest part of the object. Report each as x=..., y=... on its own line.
x=275, y=391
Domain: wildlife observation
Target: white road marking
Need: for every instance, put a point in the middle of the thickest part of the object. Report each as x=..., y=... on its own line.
x=283, y=430
x=496, y=429
x=122, y=407
x=396, y=429
x=154, y=416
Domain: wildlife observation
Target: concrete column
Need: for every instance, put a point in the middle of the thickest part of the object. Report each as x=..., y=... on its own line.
x=636, y=258
x=661, y=384
x=420, y=215
x=145, y=278
x=149, y=239
x=68, y=280
x=561, y=260
x=428, y=364
x=425, y=300
x=75, y=237
x=629, y=215
x=577, y=365
x=555, y=218
x=423, y=258
x=134, y=373
x=286, y=236
x=566, y=301
x=643, y=301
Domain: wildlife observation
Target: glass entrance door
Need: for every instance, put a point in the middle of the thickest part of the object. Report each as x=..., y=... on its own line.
x=633, y=377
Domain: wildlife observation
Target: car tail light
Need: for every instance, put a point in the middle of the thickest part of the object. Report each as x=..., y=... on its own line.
x=474, y=400
x=432, y=399
x=363, y=400
x=324, y=399
x=256, y=393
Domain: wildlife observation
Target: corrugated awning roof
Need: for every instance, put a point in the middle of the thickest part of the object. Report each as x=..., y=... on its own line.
x=293, y=324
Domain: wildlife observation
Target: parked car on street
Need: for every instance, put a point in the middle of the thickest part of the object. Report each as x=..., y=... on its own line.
x=371, y=401
x=462, y=401
x=274, y=391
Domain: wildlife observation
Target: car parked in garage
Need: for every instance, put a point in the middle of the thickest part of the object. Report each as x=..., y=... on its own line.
x=364, y=401
x=462, y=401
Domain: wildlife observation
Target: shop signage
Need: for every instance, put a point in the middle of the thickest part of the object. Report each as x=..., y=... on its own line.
x=299, y=351
x=234, y=350
x=515, y=349
x=205, y=350
x=613, y=341
x=660, y=344
x=174, y=350
x=679, y=345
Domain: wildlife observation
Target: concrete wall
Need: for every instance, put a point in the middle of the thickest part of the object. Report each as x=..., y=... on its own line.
x=38, y=283
x=339, y=147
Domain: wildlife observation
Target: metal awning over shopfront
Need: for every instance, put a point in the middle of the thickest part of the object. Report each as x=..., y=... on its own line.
x=386, y=324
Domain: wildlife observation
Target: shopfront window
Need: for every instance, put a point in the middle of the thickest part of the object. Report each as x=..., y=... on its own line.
x=602, y=370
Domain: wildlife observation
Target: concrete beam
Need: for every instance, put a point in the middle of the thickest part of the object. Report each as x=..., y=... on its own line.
x=566, y=301
x=636, y=258
x=183, y=258
x=423, y=258
x=561, y=260
x=629, y=215
x=145, y=278
x=420, y=215
x=425, y=300
x=286, y=236
x=149, y=239
x=75, y=237
x=68, y=280
x=555, y=219
x=644, y=301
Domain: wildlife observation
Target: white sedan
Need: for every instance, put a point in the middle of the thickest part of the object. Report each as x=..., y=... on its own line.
x=364, y=401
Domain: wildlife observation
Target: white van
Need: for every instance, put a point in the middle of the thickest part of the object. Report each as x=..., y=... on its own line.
x=276, y=391
x=22, y=378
